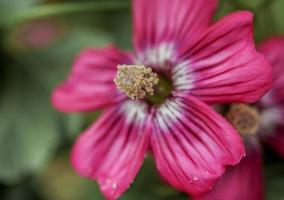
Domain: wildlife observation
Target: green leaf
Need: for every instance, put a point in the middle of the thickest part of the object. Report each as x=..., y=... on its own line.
x=274, y=181
x=49, y=10
x=275, y=188
x=10, y=7
x=28, y=132
x=60, y=182
x=224, y=8
x=50, y=65
x=278, y=14
x=252, y=3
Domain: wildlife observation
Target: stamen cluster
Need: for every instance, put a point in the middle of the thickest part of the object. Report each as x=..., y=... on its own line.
x=136, y=81
x=244, y=118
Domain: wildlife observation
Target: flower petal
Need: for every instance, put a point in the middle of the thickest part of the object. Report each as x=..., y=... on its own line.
x=113, y=149
x=243, y=181
x=192, y=144
x=158, y=21
x=225, y=58
x=90, y=84
x=273, y=49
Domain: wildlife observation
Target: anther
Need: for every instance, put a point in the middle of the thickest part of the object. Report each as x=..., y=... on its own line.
x=136, y=81
x=244, y=118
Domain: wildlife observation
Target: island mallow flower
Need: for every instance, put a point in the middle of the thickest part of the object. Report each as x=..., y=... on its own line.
x=263, y=121
x=154, y=99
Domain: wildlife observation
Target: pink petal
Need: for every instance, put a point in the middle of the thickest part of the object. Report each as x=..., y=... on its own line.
x=90, y=84
x=276, y=140
x=179, y=21
x=113, y=149
x=192, y=144
x=223, y=65
x=273, y=49
x=244, y=181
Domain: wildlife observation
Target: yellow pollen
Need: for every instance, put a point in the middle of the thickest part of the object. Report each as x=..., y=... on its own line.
x=244, y=118
x=136, y=81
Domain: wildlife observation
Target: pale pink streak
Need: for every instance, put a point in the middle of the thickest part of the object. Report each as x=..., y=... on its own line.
x=224, y=58
x=112, y=150
x=178, y=21
x=192, y=144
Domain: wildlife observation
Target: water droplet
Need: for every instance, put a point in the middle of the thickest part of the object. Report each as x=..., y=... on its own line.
x=114, y=185
x=207, y=172
x=211, y=188
x=195, y=178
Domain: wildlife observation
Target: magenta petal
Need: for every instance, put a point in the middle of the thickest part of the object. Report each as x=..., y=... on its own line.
x=192, y=144
x=113, y=149
x=244, y=181
x=90, y=84
x=225, y=58
x=273, y=49
x=157, y=21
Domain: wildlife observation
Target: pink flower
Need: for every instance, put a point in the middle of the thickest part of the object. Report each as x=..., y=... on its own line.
x=272, y=104
x=36, y=34
x=245, y=181
x=197, y=63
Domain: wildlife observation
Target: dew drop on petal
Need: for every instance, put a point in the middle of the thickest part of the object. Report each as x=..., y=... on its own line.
x=195, y=179
x=108, y=184
x=114, y=185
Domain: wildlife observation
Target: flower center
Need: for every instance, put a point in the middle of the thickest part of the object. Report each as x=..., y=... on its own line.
x=244, y=118
x=136, y=81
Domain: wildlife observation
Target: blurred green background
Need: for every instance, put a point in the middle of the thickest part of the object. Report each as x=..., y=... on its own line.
x=39, y=39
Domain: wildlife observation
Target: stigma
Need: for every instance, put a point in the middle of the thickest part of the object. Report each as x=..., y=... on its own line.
x=244, y=118
x=136, y=81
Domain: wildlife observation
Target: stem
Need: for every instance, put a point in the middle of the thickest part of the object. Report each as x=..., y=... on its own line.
x=42, y=11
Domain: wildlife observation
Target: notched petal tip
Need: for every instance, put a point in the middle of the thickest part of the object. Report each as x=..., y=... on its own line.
x=192, y=145
x=224, y=58
x=112, y=150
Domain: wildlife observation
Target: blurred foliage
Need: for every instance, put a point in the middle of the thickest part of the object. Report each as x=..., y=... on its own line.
x=59, y=173
x=34, y=138
x=28, y=126
x=10, y=7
